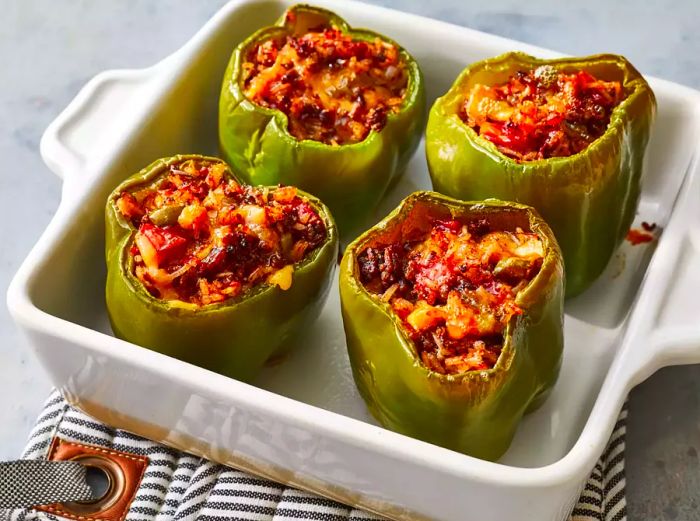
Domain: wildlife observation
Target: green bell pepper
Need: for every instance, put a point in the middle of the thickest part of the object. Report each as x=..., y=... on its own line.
x=589, y=199
x=234, y=337
x=474, y=412
x=350, y=178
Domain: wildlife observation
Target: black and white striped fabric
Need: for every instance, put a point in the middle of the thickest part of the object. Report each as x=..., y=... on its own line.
x=179, y=487
x=603, y=497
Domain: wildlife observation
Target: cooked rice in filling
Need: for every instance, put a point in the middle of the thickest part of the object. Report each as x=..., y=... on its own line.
x=202, y=238
x=333, y=88
x=542, y=113
x=454, y=289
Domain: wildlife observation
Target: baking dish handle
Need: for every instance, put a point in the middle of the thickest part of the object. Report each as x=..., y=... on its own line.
x=675, y=337
x=82, y=131
x=678, y=345
x=664, y=328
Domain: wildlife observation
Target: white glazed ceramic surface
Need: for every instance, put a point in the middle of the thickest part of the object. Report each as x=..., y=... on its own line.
x=303, y=421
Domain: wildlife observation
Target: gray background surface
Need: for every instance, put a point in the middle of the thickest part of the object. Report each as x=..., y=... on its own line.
x=48, y=50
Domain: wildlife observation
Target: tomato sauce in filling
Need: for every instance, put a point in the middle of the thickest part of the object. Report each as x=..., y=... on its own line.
x=333, y=88
x=454, y=289
x=202, y=238
x=542, y=113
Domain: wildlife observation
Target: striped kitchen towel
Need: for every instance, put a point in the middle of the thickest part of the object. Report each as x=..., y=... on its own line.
x=180, y=487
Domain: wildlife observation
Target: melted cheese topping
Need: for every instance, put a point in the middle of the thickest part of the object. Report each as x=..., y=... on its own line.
x=203, y=238
x=333, y=89
x=542, y=113
x=454, y=290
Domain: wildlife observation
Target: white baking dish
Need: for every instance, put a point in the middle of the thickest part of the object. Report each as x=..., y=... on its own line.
x=303, y=422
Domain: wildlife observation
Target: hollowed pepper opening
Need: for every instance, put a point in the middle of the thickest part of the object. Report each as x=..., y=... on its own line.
x=453, y=285
x=333, y=87
x=542, y=112
x=202, y=238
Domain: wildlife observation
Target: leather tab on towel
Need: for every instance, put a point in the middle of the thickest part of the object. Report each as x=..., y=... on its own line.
x=123, y=472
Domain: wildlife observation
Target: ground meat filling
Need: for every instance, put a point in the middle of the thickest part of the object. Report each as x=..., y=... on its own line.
x=333, y=89
x=454, y=290
x=542, y=113
x=202, y=238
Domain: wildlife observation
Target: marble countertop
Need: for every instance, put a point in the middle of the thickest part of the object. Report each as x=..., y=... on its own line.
x=50, y=49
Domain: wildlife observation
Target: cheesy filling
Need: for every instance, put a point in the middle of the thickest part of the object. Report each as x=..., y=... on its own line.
x=333, y=88
x=202, y=238
x=455, y=289
x=542, y=113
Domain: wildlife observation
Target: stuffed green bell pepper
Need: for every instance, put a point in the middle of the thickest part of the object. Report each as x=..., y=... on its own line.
x=313, y=103
x=566, y=136
x=211, y=271
x=453, y=317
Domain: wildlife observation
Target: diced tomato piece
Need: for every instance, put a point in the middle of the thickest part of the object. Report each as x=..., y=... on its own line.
x=168, y=245
x=305, y=212
x=129, y=206
x=284, y=194
x=449, y=225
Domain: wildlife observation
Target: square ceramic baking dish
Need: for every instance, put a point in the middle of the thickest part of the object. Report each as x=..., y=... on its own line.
x=302, y=422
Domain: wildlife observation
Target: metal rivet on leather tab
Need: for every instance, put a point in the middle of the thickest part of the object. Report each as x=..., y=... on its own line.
x=111, y=495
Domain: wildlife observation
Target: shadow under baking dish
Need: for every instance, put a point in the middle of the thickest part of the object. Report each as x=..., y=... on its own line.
x=70, y=284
